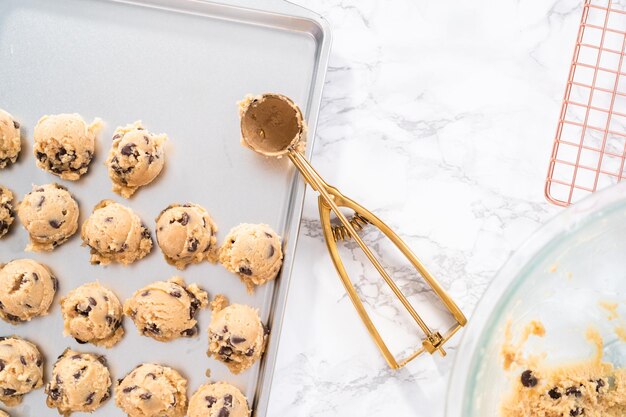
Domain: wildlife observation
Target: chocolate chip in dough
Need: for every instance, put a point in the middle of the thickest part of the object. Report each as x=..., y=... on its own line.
x=245, y=270
x=554, y=393
x=528, y=379
x=573, y=391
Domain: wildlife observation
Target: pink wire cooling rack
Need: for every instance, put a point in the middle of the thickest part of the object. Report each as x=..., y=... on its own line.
x=590, y=144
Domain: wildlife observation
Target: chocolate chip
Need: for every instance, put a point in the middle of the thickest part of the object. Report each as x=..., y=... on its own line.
x=55, y=224
x=145, y=233
x=193, y=245
x=129, y=389
x=189, y=332
x=266, y=329
x=249, y=352
x=210, y=400
x=150, y=158
x=109, y=319
x=42, y=198
x=237, y=339
x=554, y=393
x=79, y=373
x=146, y=139
x=12, y=318
x=116, y=136
x=228, y=400
x=145, y=293
x=151, y=328
x=184, y=219
x=271, y=251
x=38, y=363
x=573, y=391
x=35, y=277
x=176, y=294
x=23, y=360
x=268, y=235
x=151, y=375
x=75, y=357
x=127, y=149
x=599, y=384
x=54, y=393
x=528, y=380
x=105, y=397
x=225, y=329
x=577, y=411
x=223, y=412
x=81, y=342
x=145, y=396
x=62, y=151
x=16, y=124
x=83, y=311
x=108, y=219
x=92, y=301
x=225, y=351
x=9, y=391
x=245, y=270
x=195, y=303
x=102, y=360
x=2, y=365
x=105, y=298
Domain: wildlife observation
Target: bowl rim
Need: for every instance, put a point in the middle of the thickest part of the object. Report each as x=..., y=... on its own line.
x=562, y=222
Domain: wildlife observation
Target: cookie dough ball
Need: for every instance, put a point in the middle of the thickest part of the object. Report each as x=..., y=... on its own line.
x=64, y=144
x=152, y=390
x=49, y=214
x=186, y=235
x=21, y=369
x=10, y=143
x=165, y=310
x=236, y=336
x=7, y=215
x=254, y=252
x=80, y=382
x=26, y=290
x=93, y=314
x=218, y=400
x=115, y=234
x=136, y=158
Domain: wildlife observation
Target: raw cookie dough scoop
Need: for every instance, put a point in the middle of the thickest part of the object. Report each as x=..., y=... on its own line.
x=273, y=125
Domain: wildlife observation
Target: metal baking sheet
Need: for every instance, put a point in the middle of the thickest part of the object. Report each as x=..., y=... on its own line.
x=179, y=66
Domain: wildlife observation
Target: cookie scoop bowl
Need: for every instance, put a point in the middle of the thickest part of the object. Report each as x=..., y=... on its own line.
x=560, y=277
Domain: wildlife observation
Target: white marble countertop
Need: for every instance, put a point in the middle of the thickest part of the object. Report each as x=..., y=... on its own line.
x=439, y=117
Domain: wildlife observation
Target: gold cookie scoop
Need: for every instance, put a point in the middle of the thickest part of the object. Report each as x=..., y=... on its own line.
x=273, y=125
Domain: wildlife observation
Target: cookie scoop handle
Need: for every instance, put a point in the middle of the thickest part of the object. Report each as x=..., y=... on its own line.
x=330, y=200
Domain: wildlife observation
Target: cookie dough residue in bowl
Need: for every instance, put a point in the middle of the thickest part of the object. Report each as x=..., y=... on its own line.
x=590, y=388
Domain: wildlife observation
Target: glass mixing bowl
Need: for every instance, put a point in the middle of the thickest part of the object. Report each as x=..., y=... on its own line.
x=561, y=276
